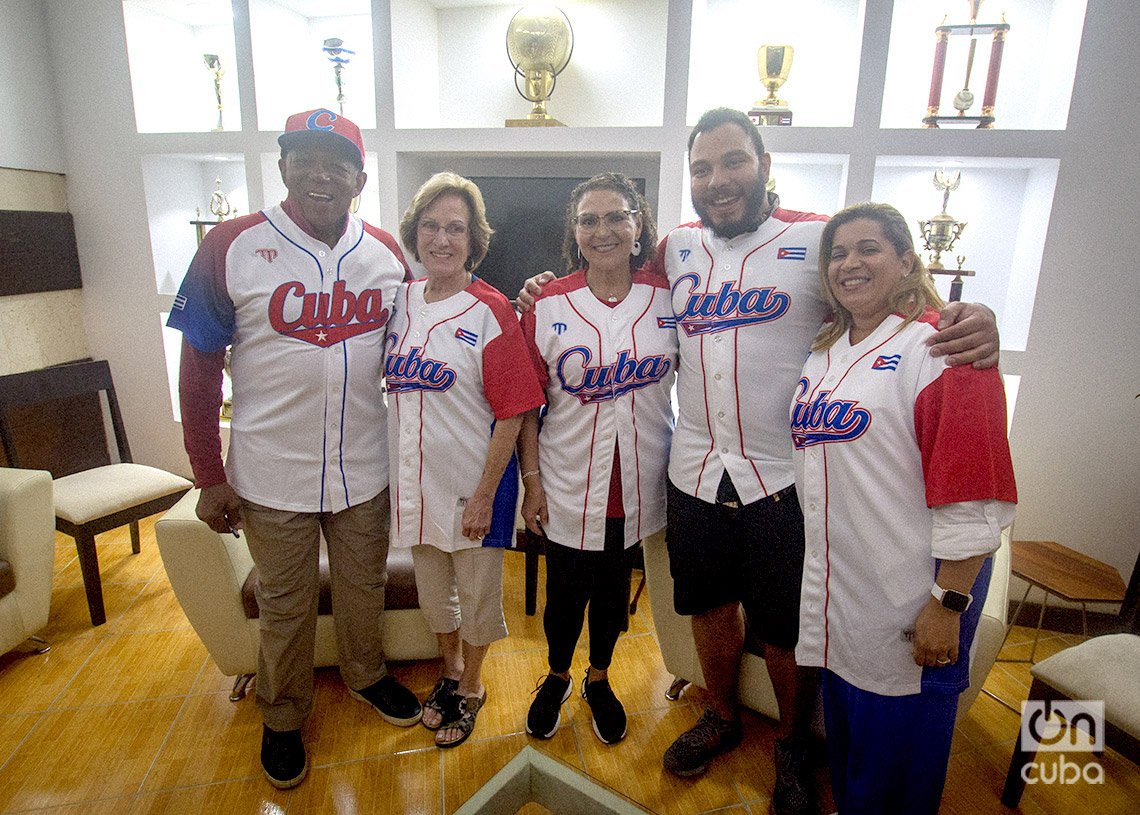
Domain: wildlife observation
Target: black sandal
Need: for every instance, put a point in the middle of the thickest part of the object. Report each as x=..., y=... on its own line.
x=444, y=699
x=469, y=707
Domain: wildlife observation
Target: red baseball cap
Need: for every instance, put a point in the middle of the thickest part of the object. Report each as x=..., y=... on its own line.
x=322, y=125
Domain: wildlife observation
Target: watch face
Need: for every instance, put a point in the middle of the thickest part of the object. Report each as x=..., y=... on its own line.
x=955, y=600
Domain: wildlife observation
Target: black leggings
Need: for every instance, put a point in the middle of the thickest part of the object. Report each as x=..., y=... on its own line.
x=575, y=578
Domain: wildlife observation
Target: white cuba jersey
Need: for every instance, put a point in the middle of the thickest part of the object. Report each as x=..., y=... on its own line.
x=453, y=367
x=306, y=324
x=886, y=438
x=608, y=373
x=747, y=310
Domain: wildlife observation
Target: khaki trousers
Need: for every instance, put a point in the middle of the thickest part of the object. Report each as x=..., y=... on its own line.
x=286, y=547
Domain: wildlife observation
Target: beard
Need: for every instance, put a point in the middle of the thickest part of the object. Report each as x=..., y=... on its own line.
x=754, y=211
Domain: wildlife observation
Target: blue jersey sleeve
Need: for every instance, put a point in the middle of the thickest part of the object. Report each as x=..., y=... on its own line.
x=203, y=310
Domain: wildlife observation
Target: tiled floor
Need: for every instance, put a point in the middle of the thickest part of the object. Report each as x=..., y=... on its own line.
x=133, y=717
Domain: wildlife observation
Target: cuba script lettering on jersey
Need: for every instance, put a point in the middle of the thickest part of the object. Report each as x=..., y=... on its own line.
x=322, y=318
x=727, y=308
x=415, y=372
x=824, y=420
x=601, y=383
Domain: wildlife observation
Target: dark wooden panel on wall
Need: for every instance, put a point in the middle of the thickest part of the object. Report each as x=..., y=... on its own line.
x=528, y=216
x=37, y=252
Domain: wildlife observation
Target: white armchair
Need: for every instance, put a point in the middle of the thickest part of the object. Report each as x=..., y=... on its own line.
x=209, y=573
x=27, y=549
x=675, y=634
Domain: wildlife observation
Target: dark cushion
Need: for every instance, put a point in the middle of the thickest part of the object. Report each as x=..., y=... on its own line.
x=8, y=578
x=399, y=593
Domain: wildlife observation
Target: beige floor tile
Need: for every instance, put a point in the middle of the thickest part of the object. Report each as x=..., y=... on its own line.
x=510, y=678
x=137, y=666
x=989, y=722
x=105, y=806
x=86, y=754
x=404, y=784
x=1009, y=682
x=469, y=766
x=69, y=614
x=13, y=730
x=344, y=729
x=211, y=740
x=30, y=683
x=155, y=608
x=212, y=680
x=249, y=795
x=648, y=737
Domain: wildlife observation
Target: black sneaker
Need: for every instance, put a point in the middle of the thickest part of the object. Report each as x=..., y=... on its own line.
x=396, y=704
x=691, y=753
x=794, y=792
x=283, y=757
x=607, y=712
x=546, y=710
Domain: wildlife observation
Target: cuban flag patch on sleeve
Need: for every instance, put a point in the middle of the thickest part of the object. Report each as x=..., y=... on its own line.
x=886, y=363
x=469, y=337
x=791, y=253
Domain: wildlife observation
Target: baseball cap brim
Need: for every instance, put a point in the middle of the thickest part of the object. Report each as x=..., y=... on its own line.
x=328, y=139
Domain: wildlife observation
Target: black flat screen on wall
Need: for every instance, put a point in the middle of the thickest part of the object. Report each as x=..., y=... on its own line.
x=37, y=252
x=528, y=216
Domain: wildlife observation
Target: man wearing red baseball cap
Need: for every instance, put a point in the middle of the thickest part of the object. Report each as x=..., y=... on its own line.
x=301, y=293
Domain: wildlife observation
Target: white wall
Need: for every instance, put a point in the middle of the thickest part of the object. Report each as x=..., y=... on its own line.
x=30, y=137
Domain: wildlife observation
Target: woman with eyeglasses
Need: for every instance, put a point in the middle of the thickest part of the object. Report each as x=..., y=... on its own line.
x=605, y=349
x=456, y=398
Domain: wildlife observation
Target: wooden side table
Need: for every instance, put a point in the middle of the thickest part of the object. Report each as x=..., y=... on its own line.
x=1061, y=571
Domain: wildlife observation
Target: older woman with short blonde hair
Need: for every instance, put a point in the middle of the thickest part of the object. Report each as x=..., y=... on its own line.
x=458, y=386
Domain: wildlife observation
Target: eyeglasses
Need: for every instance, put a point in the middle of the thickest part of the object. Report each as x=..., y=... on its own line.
x=589, y=221
x=453, y=230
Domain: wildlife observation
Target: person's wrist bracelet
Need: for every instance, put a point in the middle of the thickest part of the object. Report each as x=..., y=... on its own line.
x=529, y=473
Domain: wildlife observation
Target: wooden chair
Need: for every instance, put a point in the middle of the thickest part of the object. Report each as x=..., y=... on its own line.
x=94, y=491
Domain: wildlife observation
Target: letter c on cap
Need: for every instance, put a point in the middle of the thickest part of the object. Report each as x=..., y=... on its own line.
x=314, y=120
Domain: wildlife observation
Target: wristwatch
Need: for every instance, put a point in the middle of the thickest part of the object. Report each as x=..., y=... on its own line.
x=950, y=599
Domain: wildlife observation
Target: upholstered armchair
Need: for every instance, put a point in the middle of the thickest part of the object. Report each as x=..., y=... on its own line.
x=27, y=549
x=213, y=577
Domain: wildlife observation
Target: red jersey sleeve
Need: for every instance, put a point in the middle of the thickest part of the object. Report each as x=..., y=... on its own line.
x=200, y=398
x=959, y=419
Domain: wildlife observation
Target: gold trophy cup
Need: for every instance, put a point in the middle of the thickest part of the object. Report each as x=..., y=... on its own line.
x=539, y=44
x=941, y=231
x=774, y=63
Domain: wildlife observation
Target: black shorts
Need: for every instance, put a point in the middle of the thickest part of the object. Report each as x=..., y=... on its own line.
x=752, y=555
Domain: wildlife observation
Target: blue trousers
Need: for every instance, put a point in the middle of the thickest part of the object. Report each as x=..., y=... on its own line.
x=888, y=754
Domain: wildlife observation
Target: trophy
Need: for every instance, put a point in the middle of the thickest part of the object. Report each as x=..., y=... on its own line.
x=539, y=43
x=774, y=62
x=940, y=232
x=215, y=65
x=334, y=48
x=963, y=100
x=220, y=208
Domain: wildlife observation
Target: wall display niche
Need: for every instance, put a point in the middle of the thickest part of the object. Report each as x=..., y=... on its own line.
x=1038, y=64
x=826, y=36
x=291, y=67
x=526, y=198
x=1005, y=204
x=367, y=207
x=169, y=45
x=178, y=190
x=451, y=68
x=806, y=182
